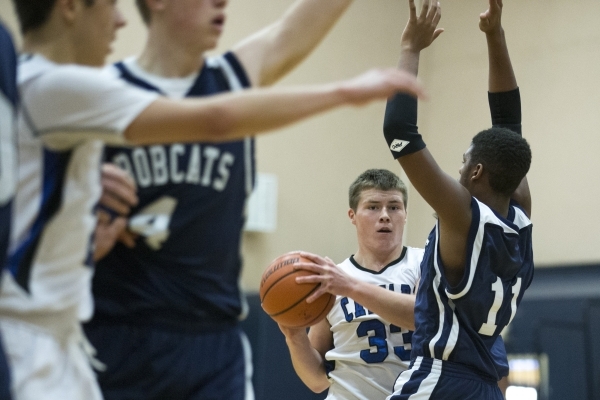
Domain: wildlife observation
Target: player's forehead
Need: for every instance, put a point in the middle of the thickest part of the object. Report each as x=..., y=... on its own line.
x=467, y=153
x=374, y=195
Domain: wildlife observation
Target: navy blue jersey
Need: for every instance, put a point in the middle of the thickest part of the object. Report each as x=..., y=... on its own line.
x=462, y=324
x=184, y=270
x=8, y=109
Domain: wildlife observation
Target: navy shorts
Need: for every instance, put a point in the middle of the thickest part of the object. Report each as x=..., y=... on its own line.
x=149, y=363
x=435, y=379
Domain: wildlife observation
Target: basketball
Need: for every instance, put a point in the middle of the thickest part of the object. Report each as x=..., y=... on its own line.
x=285, y=300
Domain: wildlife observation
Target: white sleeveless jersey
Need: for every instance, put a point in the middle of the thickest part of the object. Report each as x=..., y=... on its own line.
x=67, y=112
x=369, y=352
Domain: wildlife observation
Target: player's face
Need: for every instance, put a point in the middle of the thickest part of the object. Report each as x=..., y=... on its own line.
x=379, y=218
x=96, y=30
x=197, y=24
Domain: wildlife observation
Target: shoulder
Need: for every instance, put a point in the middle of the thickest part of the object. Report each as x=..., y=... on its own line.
x=231, y=66
x=45, y=81
x=346, y=264
x=412, y=262
x=517, y=218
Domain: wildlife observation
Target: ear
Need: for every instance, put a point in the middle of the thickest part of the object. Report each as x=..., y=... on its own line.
x=68, y=9
x=352, y=214
x=477, y=172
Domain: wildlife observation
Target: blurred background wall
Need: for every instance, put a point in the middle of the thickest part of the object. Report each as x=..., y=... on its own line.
x=555, y=48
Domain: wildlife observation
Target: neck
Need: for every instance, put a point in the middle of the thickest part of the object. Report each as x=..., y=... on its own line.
x=165, y=56
x=498, y=203
x=377, y=260
x=53, y=46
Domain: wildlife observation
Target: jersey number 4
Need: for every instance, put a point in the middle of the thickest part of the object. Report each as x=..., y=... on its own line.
x=378, y=341
x=488, y=328
x=153, y=221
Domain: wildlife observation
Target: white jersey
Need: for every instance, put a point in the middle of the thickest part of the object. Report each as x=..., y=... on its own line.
x=369, y=352
x=67, y=112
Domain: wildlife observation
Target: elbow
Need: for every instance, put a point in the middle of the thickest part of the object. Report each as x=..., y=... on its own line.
x=319, y=387
x=219, y=123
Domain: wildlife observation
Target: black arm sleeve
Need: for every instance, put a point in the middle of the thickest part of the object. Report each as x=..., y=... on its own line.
x=505, y=108
x=400, y=126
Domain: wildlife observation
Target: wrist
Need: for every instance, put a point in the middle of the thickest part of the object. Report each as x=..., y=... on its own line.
x=495, y=34
x=409, y=49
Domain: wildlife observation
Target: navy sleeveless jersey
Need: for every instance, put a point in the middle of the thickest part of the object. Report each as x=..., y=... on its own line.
x=184, y=270
x=462, y=324
x=8, y=109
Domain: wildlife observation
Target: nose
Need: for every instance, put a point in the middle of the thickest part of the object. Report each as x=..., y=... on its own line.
x=384, y=215
x=120, y=20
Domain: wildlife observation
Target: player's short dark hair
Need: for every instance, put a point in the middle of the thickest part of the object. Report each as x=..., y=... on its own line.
x=144, y=10
x=380, y=179
x=505, y=155
x=33, y=14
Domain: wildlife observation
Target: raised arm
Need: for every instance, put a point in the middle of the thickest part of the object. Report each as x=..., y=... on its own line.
x=235, y=115
x=450, y=200
x=503, y=96
x=275, y=50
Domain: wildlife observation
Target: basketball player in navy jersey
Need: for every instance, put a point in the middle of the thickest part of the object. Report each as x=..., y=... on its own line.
x=8, y=118
x=478, y=261
x=172, y=299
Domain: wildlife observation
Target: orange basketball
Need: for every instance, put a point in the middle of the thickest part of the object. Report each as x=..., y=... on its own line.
x=285, y=300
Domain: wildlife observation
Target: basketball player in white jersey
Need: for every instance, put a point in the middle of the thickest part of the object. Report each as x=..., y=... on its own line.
x=69, y=110
x=362, y=345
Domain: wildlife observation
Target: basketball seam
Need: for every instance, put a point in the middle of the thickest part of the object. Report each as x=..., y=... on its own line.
x=298, y=302
x=324, y=308
x=277, y=281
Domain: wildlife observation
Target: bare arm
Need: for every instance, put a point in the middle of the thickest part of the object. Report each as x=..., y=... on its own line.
x=396, y=308
x=501, y=80
x=236, y=115
x=308, y=353
x=450, y=200
x=275, y=50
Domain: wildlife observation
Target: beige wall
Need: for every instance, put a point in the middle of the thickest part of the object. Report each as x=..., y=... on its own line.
x=555, y=46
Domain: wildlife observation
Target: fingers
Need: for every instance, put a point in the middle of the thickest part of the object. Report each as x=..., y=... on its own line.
x=106, y=234
x=127, y=238
x=424, y=10
x=438, y=14
x=316, y=294
x=413, y=10
x=118, y=189
x=317, y=259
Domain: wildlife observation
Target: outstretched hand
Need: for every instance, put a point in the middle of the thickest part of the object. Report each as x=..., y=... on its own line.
x=490, y=21
x=422, y=30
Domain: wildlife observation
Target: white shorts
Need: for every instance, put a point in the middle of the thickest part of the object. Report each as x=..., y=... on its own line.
x=44, y=367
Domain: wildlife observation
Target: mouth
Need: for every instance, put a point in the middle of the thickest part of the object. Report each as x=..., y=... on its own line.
x=219, y=21
x=384, y=230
